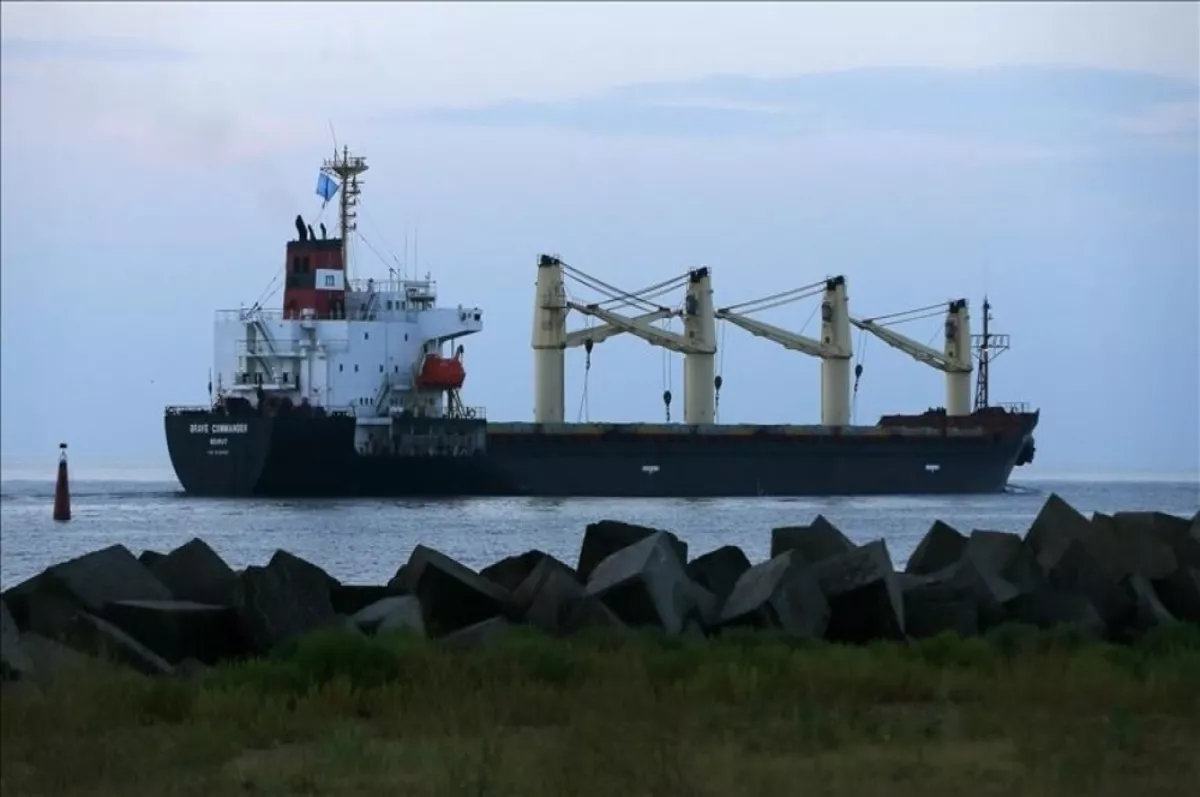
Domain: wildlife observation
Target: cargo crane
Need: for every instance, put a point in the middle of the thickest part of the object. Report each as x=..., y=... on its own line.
x=954, y=360
x=834, y=347
x=551, y=339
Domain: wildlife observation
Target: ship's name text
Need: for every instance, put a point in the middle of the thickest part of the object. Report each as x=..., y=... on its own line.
x=219, y=428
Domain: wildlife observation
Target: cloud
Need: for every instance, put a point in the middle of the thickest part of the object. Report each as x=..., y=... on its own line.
x=93, y=49
x=1032, y=106
x=1170, y=125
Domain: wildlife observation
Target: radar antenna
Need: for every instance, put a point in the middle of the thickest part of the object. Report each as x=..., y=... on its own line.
x=346, y=168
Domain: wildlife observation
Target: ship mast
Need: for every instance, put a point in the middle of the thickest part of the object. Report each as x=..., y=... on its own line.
x=346, y=168
x=988, y=345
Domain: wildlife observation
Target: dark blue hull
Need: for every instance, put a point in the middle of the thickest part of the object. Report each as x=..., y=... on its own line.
x=217, y=455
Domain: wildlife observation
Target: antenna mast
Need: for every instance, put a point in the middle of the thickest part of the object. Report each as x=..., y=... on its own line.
x=988, y=346
x=346, y=168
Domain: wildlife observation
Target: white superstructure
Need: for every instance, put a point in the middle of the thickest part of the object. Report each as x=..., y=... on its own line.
x=370, y=348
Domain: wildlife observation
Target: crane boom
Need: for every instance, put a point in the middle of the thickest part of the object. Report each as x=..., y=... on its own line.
x=602, y=333
x=949, y=361
x=642, y=329
x=955, y=361
x=788, y=340
x=834, y=347
x=918, y=351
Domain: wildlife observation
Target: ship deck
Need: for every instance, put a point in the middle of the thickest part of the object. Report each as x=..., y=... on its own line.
x=522, y=429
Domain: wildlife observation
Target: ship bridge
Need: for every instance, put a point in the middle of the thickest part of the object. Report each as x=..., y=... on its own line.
x=369, y=346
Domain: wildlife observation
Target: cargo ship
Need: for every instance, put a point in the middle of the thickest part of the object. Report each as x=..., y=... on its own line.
x=353, y=387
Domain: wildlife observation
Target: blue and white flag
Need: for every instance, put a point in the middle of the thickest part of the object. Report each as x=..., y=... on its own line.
x=326, y=187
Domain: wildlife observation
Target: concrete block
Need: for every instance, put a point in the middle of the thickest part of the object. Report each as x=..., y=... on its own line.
x=478, y=634
x=281, y=601
x=97, y=637
x=512, y=570
x=394, y=613
x=1075, y=569
x=941, y=547
x=604, y=538
x=350, y=599
x=1149, y=612
x=528, y=590
x=15, y=663
x=452, y=595
x=1145, y=554
x=96, y=578
x=782, y=593
x=863, y=594
x=1048, y=608
x=296, y=563
x=1178, y=533
x=195, y=572
x=552, y=590
x=933, y=607
x=974, y=582
x=1180, y=593
x=178, y=630
x=645, y=585
x=817, y=541
x=719, y=570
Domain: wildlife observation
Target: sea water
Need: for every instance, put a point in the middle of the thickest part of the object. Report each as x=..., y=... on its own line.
x=365, y=541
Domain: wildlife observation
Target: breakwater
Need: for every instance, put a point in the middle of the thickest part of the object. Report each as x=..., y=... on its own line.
x=1114, y=577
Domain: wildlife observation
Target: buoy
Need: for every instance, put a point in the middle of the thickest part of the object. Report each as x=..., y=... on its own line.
x=62, y=488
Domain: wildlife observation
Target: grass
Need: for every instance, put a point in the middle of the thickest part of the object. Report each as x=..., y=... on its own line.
x=1018, y=712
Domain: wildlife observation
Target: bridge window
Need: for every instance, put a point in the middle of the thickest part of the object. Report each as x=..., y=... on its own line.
x=389, y=304
x=356, y=369
x=340, y=367
x=381, y=369
x=366, y=335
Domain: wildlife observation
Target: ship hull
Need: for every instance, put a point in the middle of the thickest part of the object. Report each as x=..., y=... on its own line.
x=285, y=456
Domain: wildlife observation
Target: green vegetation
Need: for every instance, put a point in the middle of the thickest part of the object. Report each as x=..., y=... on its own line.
x=1016, y=712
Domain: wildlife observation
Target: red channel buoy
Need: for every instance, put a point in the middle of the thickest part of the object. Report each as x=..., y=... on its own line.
x=62, y=488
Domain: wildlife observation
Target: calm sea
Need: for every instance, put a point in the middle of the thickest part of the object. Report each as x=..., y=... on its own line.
x=364, y=541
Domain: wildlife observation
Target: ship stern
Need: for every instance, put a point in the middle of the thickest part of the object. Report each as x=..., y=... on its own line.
x=214, y=454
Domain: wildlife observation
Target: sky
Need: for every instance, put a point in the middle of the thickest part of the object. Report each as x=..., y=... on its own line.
x=152, y=158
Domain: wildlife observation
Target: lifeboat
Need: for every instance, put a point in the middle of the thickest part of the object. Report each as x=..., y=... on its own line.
x=441, y=373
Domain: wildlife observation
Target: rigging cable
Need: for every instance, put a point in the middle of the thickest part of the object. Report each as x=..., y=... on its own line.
x=811, y=316
x=658, y=289
x=861, y=350
x=268, y=292
x=667, y=372
x=603, y=287
x=720, y=380
x=898, y=315
x=776, y=299
x=374, y=251
x=584, y=411
x=391, y=250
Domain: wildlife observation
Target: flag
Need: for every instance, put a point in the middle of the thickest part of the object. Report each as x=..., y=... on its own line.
x=326, y=187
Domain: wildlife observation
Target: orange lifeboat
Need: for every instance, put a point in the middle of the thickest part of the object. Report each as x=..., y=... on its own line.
x=441, y=373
